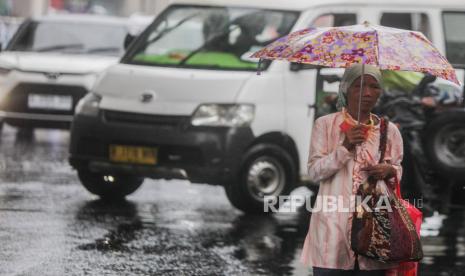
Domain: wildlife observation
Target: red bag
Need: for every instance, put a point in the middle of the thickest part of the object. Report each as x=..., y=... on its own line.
x=407, y=268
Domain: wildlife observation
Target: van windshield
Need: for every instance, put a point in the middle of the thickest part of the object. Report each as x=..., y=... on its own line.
x=209, y=37
x=70, y=37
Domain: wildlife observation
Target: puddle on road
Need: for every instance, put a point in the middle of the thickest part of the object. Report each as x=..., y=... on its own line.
x=443, y=239
x=115, y=240
x=258, y=245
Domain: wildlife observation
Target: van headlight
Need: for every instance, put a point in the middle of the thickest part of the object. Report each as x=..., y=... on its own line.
x=230, y=115
x=88, y=105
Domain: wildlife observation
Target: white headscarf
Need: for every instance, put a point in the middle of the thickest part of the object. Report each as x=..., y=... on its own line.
x=350, y=75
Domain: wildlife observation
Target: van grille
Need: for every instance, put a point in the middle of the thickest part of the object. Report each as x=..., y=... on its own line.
x=138, y=118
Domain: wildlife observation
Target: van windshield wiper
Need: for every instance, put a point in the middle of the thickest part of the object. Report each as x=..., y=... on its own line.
x=215, y=37
x=59, y=47
x=103, y=49
x=167, y=30
x=205, y=45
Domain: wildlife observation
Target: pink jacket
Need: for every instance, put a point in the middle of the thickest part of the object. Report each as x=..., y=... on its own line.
x=327, y=243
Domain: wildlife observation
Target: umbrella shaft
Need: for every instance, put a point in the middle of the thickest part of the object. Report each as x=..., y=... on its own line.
x=361, y=91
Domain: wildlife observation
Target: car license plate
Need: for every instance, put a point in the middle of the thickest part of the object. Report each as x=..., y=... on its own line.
x=54, y=102
x=133, y=154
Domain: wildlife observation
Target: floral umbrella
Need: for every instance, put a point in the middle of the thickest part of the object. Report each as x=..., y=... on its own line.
x=384, y=47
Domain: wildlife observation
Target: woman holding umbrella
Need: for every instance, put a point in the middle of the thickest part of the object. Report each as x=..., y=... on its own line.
x=336, y=139
x=353, y=150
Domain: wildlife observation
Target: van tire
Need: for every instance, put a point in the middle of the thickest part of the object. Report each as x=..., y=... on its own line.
x=264, y=164
x=121, y=186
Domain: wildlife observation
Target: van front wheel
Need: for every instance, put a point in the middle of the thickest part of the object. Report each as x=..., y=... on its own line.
x=267, y=172
x=109, y=186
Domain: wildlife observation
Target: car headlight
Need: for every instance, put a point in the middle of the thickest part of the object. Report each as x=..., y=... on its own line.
x=88, y=105
x=231, y=115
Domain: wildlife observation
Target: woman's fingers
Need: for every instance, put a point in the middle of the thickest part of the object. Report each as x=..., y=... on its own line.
x=358, y=127
x=358, y=133
x=377, y=171
x=357, y=140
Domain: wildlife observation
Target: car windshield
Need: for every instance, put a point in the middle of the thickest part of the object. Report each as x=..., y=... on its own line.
x=73, y=38
x=209, y=37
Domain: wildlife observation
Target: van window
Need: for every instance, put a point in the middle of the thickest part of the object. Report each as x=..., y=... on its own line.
x=209, y=37
x=334, y=20
x=454, y=23
x=409, y=21
x=70, y=37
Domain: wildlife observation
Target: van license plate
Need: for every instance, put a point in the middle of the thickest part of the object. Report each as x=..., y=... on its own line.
x=132, y=154
x=54, y=102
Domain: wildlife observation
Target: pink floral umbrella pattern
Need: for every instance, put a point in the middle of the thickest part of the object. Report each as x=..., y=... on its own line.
x=384, y=47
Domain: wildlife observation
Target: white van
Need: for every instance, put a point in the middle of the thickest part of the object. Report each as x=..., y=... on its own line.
x=185, y=100
x=52, y=62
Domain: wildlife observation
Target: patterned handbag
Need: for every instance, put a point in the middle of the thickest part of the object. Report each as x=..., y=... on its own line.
x=383, y=234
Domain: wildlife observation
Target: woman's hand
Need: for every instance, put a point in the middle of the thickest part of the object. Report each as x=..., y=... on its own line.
x=354, y=136
x=380, y=171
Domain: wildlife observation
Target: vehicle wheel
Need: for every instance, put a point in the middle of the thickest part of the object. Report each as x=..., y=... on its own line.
x=266, y=170
x=109, y=186
x=445, y=144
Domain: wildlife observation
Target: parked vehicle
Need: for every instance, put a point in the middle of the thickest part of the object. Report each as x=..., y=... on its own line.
x=51, y=63
x=185, y=99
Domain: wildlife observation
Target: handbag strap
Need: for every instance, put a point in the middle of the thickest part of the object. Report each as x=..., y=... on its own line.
x=398, y=194
x=382, y=149
x=383, y=138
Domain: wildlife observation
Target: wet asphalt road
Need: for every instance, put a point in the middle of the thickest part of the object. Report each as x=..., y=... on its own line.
x=49, y=225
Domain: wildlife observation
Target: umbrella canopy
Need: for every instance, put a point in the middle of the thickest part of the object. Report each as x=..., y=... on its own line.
x=384, y=47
